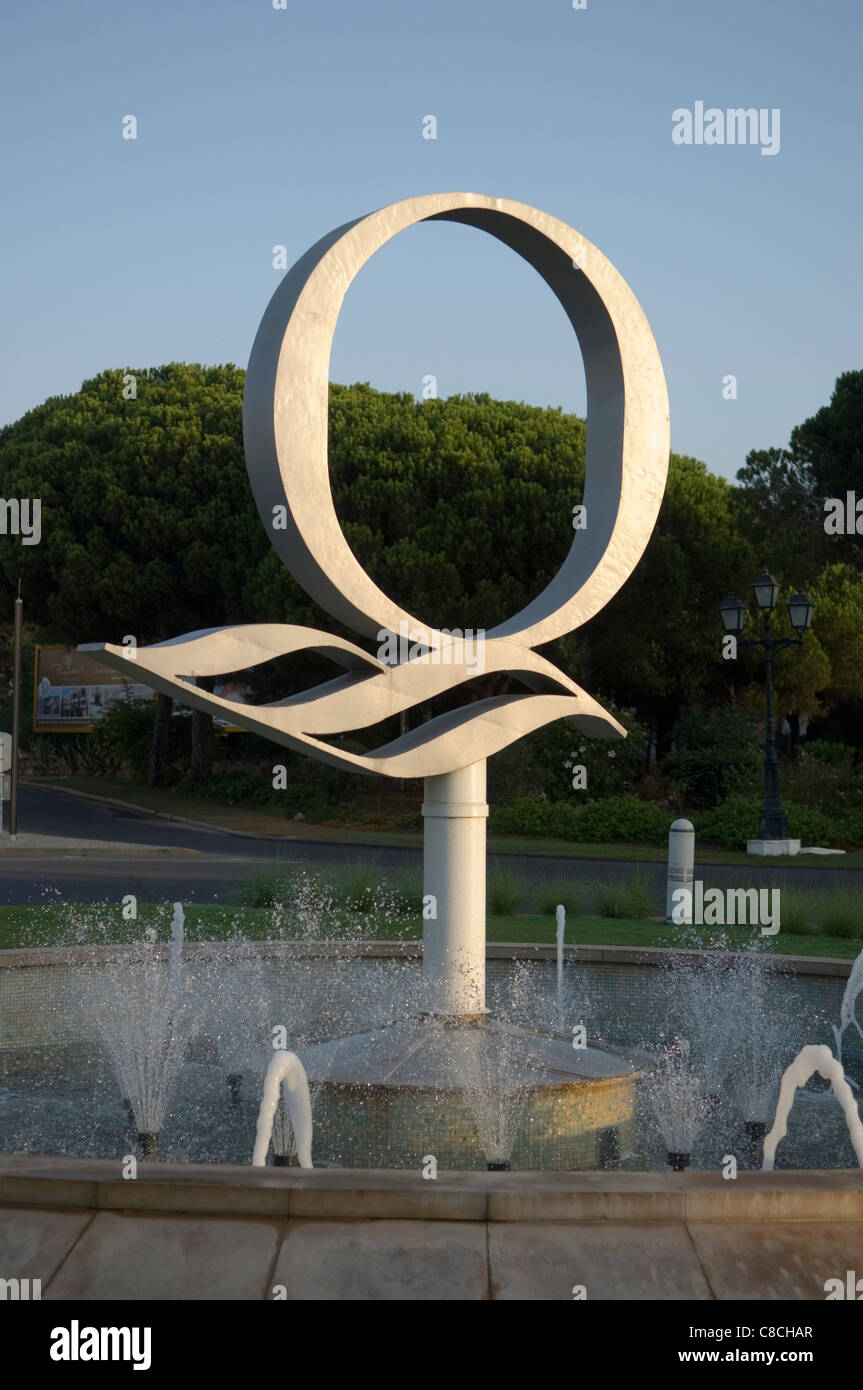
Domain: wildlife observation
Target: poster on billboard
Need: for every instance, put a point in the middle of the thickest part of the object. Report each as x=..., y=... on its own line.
x=72, y=690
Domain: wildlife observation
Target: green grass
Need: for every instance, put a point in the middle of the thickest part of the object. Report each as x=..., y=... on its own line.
x=603, y=931
x=103, y=923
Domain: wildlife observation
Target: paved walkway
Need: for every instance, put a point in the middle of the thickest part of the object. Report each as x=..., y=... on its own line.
x=183, y=1232
x=116, y=1256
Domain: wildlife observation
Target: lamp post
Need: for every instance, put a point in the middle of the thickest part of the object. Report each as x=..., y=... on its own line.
x=16, y=715
x=772, y=823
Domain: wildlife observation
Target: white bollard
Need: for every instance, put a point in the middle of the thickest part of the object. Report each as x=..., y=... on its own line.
x=681, y=859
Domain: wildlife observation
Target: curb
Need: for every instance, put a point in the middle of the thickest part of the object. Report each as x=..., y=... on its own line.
x=21, y=852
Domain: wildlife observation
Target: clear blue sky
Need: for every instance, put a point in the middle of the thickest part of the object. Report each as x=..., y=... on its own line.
x=259, y=126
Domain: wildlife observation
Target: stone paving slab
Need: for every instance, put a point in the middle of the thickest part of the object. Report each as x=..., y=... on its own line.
x=114, y=1256
x=384, y=1260
x=651, y=1260
x=193, y=1231
x=175, y=1257
x=756, y=1260
x=34, y=1242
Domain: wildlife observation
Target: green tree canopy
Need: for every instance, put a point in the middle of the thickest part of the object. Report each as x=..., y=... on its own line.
x=146, y=526
x=657, y=645
x=782, y=491
x=460, y=509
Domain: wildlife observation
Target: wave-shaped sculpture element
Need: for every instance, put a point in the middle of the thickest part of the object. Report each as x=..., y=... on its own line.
x=367, y=696
x=285, y=433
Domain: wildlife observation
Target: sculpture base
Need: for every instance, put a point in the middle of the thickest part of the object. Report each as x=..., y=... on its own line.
x=772, y=846
x=468, y=1092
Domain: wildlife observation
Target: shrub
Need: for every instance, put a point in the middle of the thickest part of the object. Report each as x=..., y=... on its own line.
x=831, y=785
x=359, y=886
x=700, y=778
x=725, y=726
x=800, y=910
x=268, y=886
x=542, y=763
x=623, y=818
x=810, y=825
x=717, y=754
x=123, y=735
x=505, y=892
x=233, y=786
x=254, y=786
x=625, y=897
x=552, y=892
x=407, y=890
x=43, y=755
x=842, y=912
x=608, y=818
x=612, y=766
x=736, y=821
x=532, y=815
x=849, y=829
x=823, y=750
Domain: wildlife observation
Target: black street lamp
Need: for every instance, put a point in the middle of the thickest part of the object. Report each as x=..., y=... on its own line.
x=772, y=824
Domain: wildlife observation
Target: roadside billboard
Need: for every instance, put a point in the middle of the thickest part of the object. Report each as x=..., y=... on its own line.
x=71, y=690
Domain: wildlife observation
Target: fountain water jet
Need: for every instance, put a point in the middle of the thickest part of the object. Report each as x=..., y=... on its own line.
x=146, y=1029
x=847, y=1014
x=560, y=920
x=809, y=1060
x=285, y=1071
x=674, y=1095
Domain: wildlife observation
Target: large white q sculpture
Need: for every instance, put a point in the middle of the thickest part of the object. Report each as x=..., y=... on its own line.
x=285, y=433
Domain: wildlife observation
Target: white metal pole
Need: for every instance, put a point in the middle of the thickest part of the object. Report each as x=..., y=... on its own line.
x=455, y=812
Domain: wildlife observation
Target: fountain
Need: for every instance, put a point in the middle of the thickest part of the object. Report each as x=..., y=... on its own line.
x=285, y=1071
x=743, y=1023
x=809, y=1060
x=146, y=1030
x=674, y=1096
x=560, y=923
x=494, y=1091
x=401, y=1069
x=285, y=436
x=847, y=1014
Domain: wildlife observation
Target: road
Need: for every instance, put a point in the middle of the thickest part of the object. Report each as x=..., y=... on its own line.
x=227, y=861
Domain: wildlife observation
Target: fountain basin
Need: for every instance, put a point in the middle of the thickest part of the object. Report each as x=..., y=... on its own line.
x=59, y=1095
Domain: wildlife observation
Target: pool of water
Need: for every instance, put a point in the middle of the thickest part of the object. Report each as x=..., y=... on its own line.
x=59, y=1092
